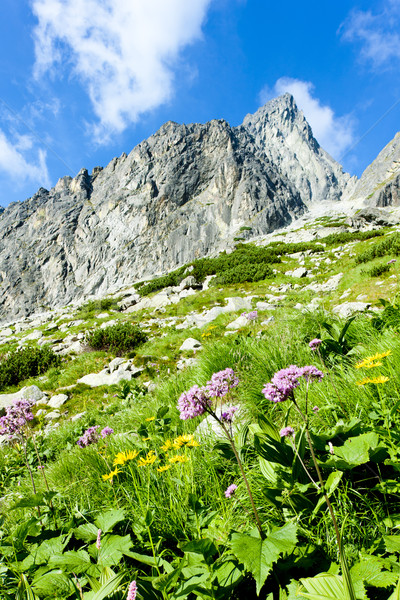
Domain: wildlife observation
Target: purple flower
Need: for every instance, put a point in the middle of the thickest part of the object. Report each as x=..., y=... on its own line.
x=132, y=591
x=285, y=381
x=315, y=409
x=230, y=491
x=250, y=316
x=390, y=262
x=16, y=418
x=98, y=540
x=222, y=382
x=227, y=415
x=193, y=403
x=91, y=436
x=286, y=431
x=106, y=431
x=315, y=343
x=311, y=373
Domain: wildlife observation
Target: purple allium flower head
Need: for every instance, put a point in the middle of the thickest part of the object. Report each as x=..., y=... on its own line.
x=286, y=431
x=230, y=491
x=106, y=431
x=132, y=591
x=91, y=436
x=194, y=402
x=315, y=409
x=227, y=415
x=16, y=418
x=311, y=373
x=285, y=381
x=98, y=540
x=315, y=343
x=390, y=262
x=222, y=382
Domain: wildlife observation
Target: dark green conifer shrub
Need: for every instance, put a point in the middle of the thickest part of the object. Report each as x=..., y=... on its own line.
x=119, y=338
x=26, y=362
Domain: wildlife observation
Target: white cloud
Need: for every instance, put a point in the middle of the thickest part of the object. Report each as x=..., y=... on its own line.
x=14, y=164
x=123, y=51
x=335, y=134
x=377, y=33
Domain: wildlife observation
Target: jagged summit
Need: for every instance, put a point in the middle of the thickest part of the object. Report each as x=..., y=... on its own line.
x=379, y=185
x=186, y=192
x=284, y=135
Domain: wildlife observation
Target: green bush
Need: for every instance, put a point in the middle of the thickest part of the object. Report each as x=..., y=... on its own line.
x=243, y=273
x=119, y=338
x=93, y=306
x=378, y=270
x=390, y=245
x=26, y=362
x=389, y=317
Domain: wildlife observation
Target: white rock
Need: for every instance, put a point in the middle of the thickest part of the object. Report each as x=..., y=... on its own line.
x=116, y=363
x=187, y=283
x=186, y=362
x=238, y=303
x=207, y=280
x=348, y=308
x=76, y=347
x=265, y=306
x=57, y=401
x=54, y=414
x=102, y=315
x=299, y=272
x=78, y=416
x=108, y=323
x=190, y=344
x=7, y=332
x=35, y=335
x=237, y=323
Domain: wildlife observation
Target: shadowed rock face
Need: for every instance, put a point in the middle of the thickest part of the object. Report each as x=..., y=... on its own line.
x=182, y=194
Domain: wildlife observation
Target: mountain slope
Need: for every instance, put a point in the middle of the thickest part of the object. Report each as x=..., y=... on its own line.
x=183, y=193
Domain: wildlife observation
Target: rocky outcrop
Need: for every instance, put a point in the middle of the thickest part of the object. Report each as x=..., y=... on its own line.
x=184, y=193
x=379, y=184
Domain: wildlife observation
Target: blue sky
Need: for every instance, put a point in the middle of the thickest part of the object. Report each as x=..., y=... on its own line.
x=82, y=81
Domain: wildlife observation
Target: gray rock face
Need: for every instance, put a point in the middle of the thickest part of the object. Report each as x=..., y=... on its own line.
x=380, y=183
x=182, y=194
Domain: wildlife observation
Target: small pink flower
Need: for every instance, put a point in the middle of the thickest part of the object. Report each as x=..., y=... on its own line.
x=132, y=591
x=98, y=541
x=331, y=448
x=315, y=343
x=315, y=408
x=286, y=431
x=390, y=262
x=230, y=491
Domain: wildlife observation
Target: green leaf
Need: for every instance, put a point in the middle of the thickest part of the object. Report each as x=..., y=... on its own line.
x=392, y=543
x=24, y=589
x=330, y=486
x=205, y=547
x=53, y=583
x=272, y=450
x=107, y=521
x=354, y=452
x=108, y=588
x=87, y=532
x=112, y=548
x=396, y=593
x=259, y=555
x=73, y=561
x=369, y=571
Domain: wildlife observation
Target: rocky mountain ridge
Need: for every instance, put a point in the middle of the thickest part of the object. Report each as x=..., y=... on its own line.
x=186, y=192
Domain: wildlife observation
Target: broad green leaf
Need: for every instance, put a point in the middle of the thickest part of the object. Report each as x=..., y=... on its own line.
x=267, y=468
x=166, y=582
x=330, y=486
x=73, y=561
x=107, y=588
x=354, y=452
x=24, y=589
x=112, y=548
x=205, y=547
x=322, y=587
x=228, y=574
x=369, y=570
x=149, y=560
x=396, y=593
x=392, y=543
x=49, y=548
x=87, y=532
x=107, y=521
x=269, y=428
x=259, y=555
x=272, y=450
x=53, y=584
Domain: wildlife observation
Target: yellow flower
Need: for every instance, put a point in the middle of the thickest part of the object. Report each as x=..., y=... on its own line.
x=380, y=379
x=185, y=440
x=167, y=445
x=164, y=468
x=122, y=457
x=110, y=475
x=150, y=419
x=368, y=362
x=148, y=460
x=178, y=459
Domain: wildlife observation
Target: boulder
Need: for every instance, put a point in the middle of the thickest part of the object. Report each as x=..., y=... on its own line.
x=238, y=323
x=346, y=309
x=57, y=401
x=191, y=344
x=299, y=272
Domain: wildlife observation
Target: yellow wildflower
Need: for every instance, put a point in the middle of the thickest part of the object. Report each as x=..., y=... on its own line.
x=380, y=379
x=122, y=457
x=167, y=445
x=185, y=440
x=148, y=460
x=164, y=468
x=178, y=459
x=150, y=419
x=368, y=362
x=110, y=475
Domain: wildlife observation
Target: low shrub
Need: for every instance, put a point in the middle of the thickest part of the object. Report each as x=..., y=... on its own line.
x=243, y=273
x=92, y=306
x=389, y=317
x=119, y=338
x=26, y=362
x=390, y=245
x=378, y=270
